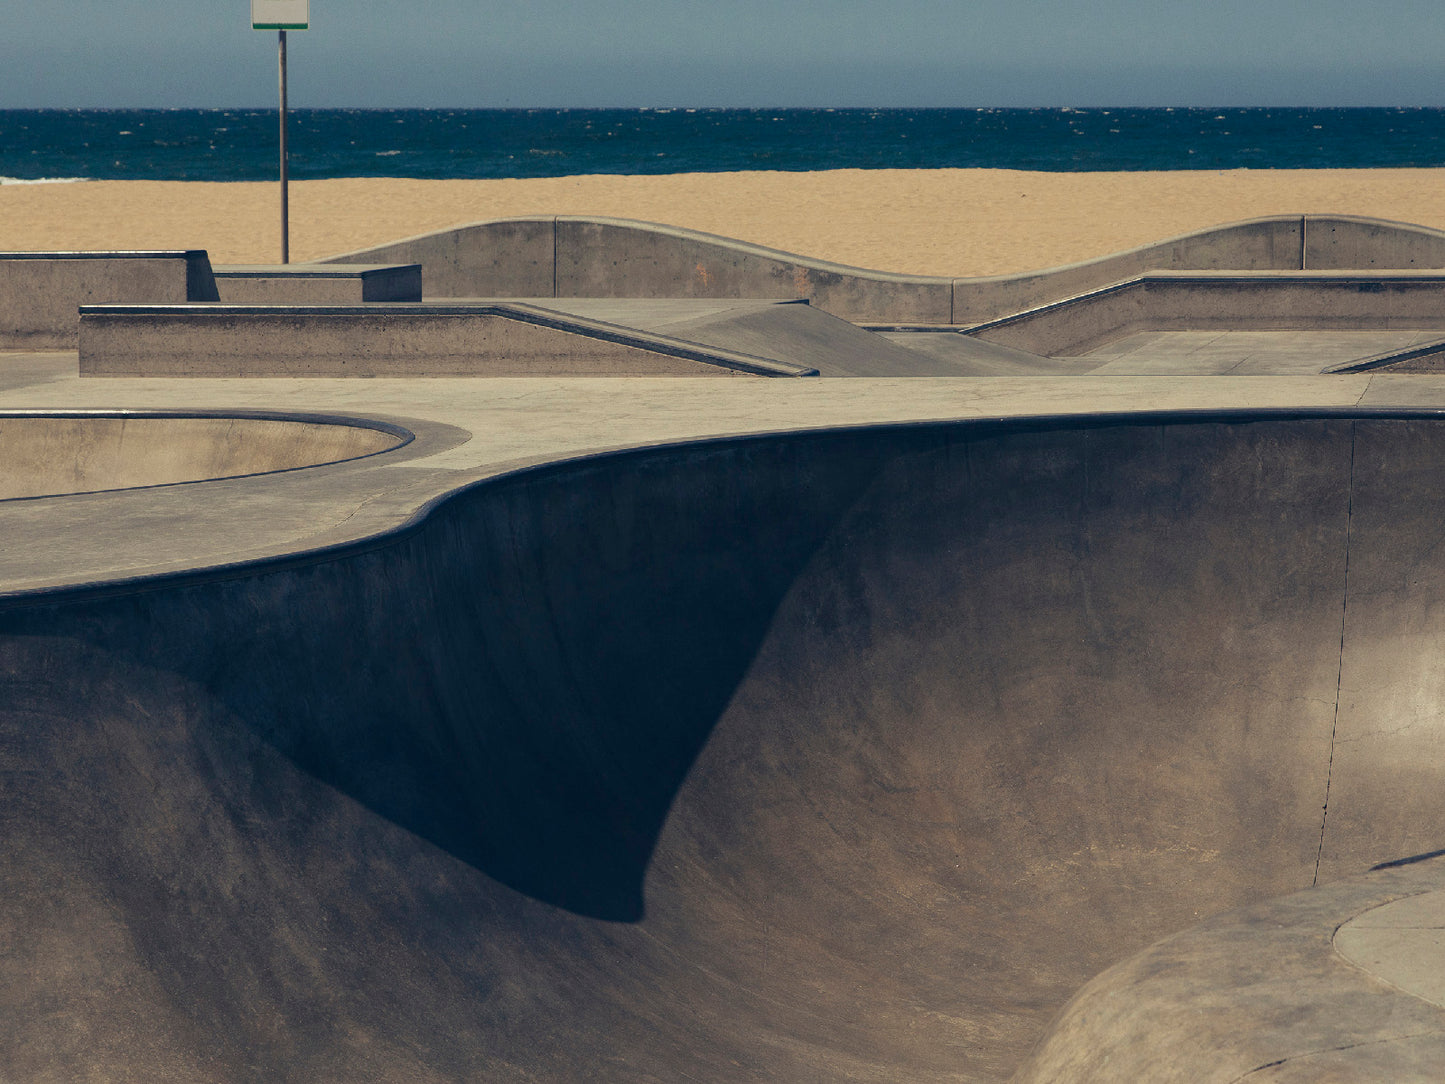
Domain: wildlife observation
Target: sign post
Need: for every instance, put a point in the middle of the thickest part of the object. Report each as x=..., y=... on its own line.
x=281, y=16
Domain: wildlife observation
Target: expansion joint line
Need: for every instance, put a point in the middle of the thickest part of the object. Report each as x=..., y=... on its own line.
x=1340, y=669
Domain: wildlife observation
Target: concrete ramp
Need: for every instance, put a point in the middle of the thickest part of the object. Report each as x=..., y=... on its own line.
x=969, y=356
x=791, y=332
x=845, y=756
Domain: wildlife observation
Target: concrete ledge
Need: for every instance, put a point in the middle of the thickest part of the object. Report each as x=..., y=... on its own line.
x=503, y=339
x=308, y=283
x=1233, y=300
x=40, y=291
x=1425, y=358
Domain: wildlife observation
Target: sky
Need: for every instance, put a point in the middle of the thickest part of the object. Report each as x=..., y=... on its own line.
x=741, y=53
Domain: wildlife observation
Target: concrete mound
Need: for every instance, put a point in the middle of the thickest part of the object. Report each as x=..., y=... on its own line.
x=839, y=756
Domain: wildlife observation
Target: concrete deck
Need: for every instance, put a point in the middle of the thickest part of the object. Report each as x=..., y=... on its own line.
x=469, y=430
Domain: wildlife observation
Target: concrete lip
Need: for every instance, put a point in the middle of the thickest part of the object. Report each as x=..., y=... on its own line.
x=49, y=454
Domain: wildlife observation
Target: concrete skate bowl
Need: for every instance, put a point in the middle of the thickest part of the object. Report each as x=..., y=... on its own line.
x=49, y=454
x=836, y=756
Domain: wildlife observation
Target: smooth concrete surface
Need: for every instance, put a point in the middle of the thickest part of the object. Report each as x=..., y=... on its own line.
x=1401, y=942
x=561, y=256
x=797, y=333
x=40, y=292
x=1243, y=353
x=47, y=454
x=311, y=284
x=1271, y=993
x=1188, y=353
x=838, y=754
x=1227, y=301
x=502, y=338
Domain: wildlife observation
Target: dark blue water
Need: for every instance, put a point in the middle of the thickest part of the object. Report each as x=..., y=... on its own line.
x=240, y=145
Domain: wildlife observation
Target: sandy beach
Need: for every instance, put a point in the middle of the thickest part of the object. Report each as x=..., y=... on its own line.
x=940, y=222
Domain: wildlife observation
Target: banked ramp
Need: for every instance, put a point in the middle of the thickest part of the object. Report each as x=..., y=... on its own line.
x=834, y=756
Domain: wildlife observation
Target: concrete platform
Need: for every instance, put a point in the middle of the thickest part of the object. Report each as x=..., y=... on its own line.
x=499, y=337
x=312, y=284
x=456, y=338
x=41, y=291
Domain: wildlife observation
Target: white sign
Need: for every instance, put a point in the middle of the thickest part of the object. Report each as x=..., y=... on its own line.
x=280, y=14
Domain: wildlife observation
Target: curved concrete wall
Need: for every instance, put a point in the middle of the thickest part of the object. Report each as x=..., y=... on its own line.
x=841, y=756
x=566, y=256
x=45, y=455
x=1268, y=993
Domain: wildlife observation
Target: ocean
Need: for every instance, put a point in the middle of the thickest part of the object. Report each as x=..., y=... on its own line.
x=241, y=144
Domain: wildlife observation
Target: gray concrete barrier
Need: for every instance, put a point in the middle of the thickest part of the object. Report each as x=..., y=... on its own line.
x=1232, y=301
x=608, y=257
x=388, y=340
x=1343, y=242
x=40, y=292
x=316, y=284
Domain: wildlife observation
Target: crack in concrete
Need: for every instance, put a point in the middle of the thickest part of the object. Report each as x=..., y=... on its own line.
x=1390, y=731
x=1340, y=671
x=1369, y=380
x=1334, y=1050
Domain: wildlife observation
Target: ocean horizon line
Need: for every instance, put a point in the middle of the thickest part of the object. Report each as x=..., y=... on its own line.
x=239, y=144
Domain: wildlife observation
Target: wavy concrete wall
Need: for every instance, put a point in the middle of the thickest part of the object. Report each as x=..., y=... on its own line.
x=842, y=756
x=568, y=256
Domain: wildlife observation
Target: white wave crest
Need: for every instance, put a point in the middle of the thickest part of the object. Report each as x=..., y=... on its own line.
x=42, y=180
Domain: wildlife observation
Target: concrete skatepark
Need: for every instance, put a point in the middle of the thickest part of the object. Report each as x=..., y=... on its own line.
x=1000, y=712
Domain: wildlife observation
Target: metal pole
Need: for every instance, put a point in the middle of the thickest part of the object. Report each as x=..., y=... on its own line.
x=285, y=212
